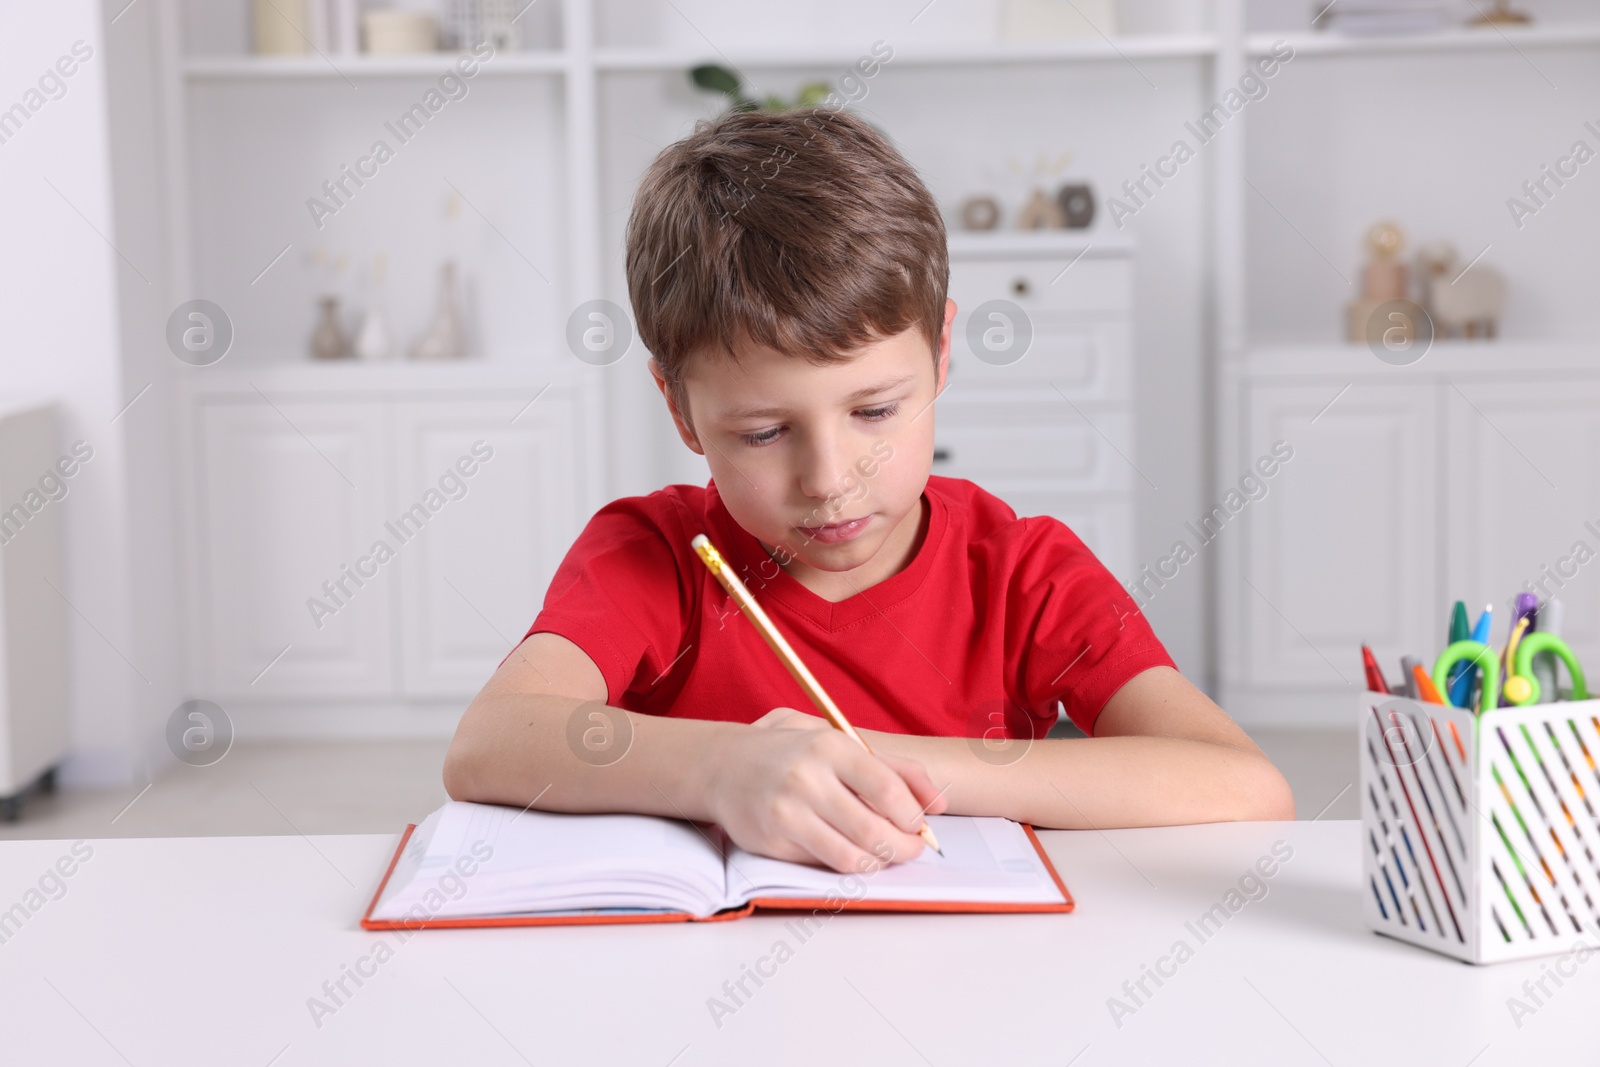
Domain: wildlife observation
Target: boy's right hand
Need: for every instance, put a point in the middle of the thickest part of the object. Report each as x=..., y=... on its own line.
x=794, y=788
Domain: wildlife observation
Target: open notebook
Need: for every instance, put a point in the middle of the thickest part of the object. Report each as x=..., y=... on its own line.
x=487, y=865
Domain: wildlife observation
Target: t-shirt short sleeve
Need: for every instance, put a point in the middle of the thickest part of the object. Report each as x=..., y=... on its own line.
x=619, y=593
x=1078, y=632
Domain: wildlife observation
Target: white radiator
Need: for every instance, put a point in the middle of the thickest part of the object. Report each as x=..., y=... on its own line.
x=33, y=640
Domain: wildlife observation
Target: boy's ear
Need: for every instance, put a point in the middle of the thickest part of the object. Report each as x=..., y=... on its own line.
x=679, y=418
x=944, y=344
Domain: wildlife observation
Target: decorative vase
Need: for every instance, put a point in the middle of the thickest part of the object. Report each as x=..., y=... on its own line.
x=374, y=339
x=1041, y=213
x=282, y=27
x=328, y=340
x=1076, y=201
x=445, y=338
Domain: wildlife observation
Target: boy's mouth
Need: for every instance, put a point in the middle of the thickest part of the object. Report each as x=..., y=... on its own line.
x=836, y=532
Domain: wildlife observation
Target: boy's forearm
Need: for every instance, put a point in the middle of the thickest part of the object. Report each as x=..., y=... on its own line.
x=1099, y=783
x=515, y=748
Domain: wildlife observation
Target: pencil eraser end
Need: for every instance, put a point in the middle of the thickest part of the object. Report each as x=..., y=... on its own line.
x=699, y=539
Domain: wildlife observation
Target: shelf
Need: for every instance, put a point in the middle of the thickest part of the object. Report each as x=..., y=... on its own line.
x=1446, y=359
x=335, y=65
x=1145, y=46
x=1462, y=39
x=344, y=376
x=250, y=67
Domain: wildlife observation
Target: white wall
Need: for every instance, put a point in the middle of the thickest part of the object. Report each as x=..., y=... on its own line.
x=80, y=268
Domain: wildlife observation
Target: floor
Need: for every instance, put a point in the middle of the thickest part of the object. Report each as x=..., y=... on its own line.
x=353, y=787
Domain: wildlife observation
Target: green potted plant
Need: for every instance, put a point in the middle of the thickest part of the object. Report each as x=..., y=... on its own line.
x=717, y=79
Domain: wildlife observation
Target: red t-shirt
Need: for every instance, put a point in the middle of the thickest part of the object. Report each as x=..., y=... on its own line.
x=993, y=621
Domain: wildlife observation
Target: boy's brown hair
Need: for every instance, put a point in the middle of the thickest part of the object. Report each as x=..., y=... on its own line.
x=804, y=231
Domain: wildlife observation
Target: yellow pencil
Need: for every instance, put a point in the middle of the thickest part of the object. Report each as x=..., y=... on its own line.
x=775, y=640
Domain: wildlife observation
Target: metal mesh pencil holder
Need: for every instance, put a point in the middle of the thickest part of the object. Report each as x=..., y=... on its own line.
x=1479, y=833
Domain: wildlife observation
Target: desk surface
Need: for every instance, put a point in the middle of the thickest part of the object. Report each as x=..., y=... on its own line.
x=210, y=950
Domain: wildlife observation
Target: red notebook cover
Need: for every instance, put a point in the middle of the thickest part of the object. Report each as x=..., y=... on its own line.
x=765, y=903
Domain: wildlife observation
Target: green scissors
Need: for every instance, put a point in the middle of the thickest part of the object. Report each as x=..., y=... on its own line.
x=1522, y=686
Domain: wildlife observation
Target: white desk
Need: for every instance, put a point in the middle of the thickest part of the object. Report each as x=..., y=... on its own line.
x=206, y=950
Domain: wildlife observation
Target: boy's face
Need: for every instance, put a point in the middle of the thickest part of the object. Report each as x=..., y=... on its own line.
x=824, y=465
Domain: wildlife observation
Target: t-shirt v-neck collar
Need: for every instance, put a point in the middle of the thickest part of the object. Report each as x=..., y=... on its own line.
x=755, y=568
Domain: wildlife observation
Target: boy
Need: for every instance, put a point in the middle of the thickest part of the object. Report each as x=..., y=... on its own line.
x=788, y=273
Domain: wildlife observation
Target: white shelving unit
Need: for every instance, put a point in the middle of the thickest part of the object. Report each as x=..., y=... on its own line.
x=1400, y=497
x=549, y=143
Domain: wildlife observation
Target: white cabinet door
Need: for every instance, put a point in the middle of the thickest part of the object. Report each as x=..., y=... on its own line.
x=1344, y=547
x=291, y=496
x=1523, y=465
x=476, y=566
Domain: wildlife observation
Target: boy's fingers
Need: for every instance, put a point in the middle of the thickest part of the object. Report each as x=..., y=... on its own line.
x=886, y=787
x=876, y=840
x=933, y=801
x=822, y=840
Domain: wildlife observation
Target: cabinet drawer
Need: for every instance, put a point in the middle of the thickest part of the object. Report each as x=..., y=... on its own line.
x=1043, y=286
x=1085, y=360
x=1064, y=452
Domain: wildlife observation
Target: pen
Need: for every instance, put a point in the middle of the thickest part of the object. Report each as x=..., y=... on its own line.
x=1461, y=687
x=776, y=641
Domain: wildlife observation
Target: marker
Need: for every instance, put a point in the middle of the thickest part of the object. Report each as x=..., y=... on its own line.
x=1426, y=691
x=1429, y=693
x=1369, y=663
x=1523, y=605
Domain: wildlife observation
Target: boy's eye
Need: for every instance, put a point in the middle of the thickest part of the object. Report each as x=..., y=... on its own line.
x=764, y=437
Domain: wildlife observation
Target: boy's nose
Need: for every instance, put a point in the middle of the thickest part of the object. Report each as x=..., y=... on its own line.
x=823, y=465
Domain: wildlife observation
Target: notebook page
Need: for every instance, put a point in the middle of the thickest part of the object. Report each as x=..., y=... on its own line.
x=986, y=860
x=472, y=860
